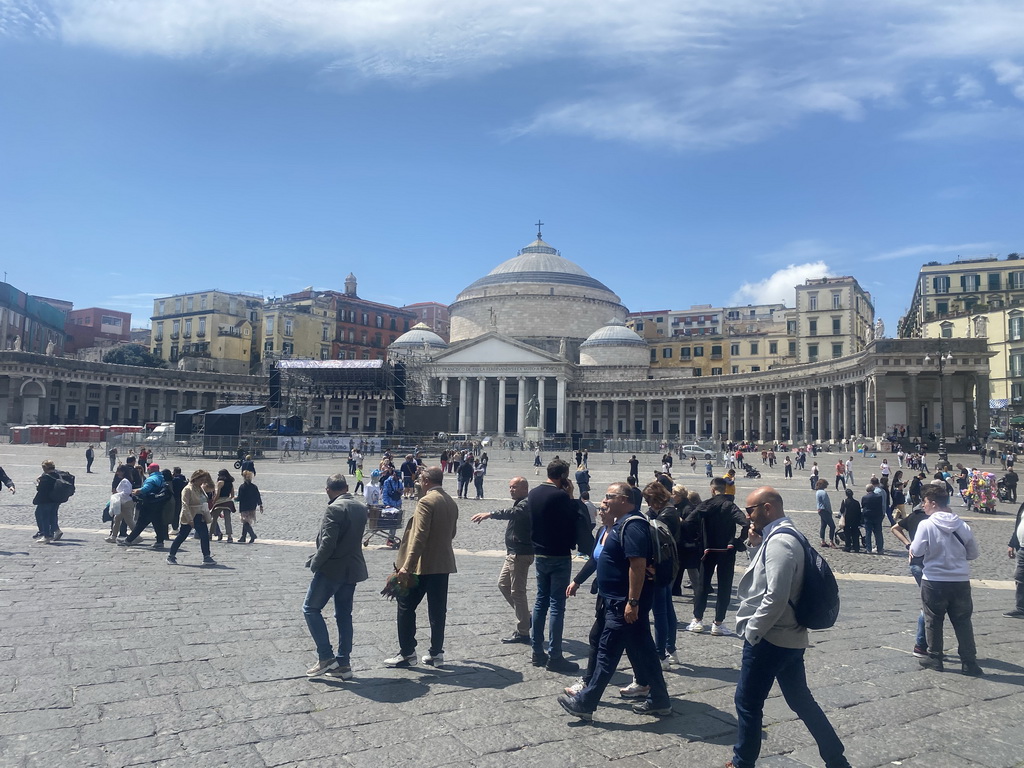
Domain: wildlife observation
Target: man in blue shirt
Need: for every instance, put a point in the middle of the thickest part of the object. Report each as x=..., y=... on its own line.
x=628, y=594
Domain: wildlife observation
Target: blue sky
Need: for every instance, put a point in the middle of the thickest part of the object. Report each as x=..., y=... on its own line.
x=682, y=152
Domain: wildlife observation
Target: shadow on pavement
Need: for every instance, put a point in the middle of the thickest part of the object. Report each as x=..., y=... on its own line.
x=402, y=689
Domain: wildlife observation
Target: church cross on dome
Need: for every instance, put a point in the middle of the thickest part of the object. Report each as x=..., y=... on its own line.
x=539, y=225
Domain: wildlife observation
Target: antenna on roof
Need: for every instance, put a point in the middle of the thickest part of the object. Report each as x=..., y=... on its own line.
x=539, y=225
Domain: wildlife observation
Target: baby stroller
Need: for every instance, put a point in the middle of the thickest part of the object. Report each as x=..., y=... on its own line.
x=750, y=471
x=1003, y=491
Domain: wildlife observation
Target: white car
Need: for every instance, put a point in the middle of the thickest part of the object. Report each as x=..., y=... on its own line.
x=695, y=450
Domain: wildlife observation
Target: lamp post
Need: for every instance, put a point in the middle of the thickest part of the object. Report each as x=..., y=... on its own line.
x=942, y=360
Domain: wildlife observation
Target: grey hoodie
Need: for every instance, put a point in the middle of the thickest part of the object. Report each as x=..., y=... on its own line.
x=945, y=555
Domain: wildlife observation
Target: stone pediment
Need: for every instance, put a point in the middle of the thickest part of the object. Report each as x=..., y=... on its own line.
x=494, y=348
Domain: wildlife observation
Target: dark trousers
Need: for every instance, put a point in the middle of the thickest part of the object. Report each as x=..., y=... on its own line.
x=841, y=479
x=1018, y=577
x=202, y=533
x=826, y=521
x=852, y=534
x=954, y=598
x=725, y=564
x=618, y=636
x=873, y=529
x=46, y=518
x=789, y=470
x=150, y=515
x=763, y=664
x=88, y=464
x=595, y=644
x=435, y=587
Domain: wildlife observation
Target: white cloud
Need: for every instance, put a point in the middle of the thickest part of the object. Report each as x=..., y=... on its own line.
x=1010, y=74
x=926, y=250
x=700, y=74
x=780, y=286
x=992, y=124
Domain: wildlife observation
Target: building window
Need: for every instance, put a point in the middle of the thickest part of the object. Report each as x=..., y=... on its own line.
x=325, y=333
x=940, y=284
x=792, y=348
x=698, y=351
x=287, y=348
x=735, y=369
x=188, y=304
x=654, y=355
x=159, y=332
x=270, y=325
x=366, y=319
x=684, y=353
x=716, y=350
x=734, y=349
x=268, y=346
x=812, y=353
x=791, y=327
x=970, y=282
x=202, y=302
x=837, y=325
x=812, y=327
x=1016, y=328
x=202, y=326
x=716, y=371
x=188, y=327
x=639, y=325
x=837, y=350
x=666, y=353
x=287, y=326
x=177, y=306
x=175, y=329
x=812, y=301
x=698, y=372
x=837, y=300
x=160, y=307
x=1017, y=364
x=1015, y=280
x=754, y=348
x=755, y=368
x=942, y=307
x=773, y=347
x=380, y=321
x=732, y=314
x=993, y=281
x=947, y=330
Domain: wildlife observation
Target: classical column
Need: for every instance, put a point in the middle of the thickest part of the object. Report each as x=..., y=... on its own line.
x=648, y=418
x=521, y=406
x=878, y=404
x=762, y=425
x=716, y=426
x=543, y=421
x=698, y=418
x=858, y=408
x=791, y=416
x=833, y=413
x=807, y=433
x=631, y=432
x=444, y=390
x=615, y=418
x=501, y=405
x=777, y=417
x=846, y=410
x=481, y=404
x=913, y=406
x=730, y=427
x=560, y=404
x=970, y=388
x=746, y=417
x=982, y=390
x=822, y=416
x=463, y=405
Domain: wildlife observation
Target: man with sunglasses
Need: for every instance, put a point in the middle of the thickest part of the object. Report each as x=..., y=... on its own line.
x=627, y=594
x=773, y=641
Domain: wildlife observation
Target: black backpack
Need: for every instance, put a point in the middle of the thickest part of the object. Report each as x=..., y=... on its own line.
x=818, y=606
x=63, y=487
x=666, y=554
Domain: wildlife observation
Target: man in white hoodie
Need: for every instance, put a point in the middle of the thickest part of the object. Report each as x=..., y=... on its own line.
x=945, y=545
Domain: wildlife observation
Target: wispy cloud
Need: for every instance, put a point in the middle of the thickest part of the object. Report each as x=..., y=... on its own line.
x=699, y=75
x=926, y=250
x=1005, y=124
x=780, y=286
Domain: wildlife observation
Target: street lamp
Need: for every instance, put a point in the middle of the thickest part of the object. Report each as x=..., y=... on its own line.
x=942, y=359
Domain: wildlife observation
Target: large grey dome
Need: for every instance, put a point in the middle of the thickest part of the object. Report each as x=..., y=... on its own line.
x=615, y=334
x=538, y=263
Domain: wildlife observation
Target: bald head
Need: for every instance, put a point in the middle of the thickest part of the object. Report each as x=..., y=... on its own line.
x=764, y=506
x=518, y=488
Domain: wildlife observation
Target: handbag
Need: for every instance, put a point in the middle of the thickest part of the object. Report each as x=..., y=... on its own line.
x=106, y=513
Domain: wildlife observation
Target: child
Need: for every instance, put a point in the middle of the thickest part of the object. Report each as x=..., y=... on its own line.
x=249, y=500
x=359, y=479
x=708, y=469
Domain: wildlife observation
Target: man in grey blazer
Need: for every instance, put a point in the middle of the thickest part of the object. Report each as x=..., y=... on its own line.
x=773, y=641
x=337, y=567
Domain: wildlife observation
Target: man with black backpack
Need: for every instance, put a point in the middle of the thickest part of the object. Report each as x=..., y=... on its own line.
x=774, y=640
x=627, y=594
x=53, y=488
x=152, y=496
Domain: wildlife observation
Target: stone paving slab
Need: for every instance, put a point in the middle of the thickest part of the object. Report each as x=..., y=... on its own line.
x=110, y=657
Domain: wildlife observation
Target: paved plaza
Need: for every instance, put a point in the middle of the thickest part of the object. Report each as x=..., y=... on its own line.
x=111, y=657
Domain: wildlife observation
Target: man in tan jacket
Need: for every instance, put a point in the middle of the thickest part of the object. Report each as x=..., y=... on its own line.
x=426, y=552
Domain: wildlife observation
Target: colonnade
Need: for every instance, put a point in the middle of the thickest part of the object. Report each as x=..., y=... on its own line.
x=498, y=404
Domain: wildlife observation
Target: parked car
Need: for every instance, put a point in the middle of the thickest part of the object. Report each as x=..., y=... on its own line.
x=695, y=450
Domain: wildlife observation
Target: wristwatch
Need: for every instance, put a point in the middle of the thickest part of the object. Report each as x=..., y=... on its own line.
x=632, y=602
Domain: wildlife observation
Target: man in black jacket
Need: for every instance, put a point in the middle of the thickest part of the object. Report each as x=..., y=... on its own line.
x=1014, y=550
x=554, y=519
x=337, y=567
x=717, y=520
x=518, y=558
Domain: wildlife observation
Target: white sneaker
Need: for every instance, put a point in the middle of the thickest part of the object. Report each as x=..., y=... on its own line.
x=666, y=662
x=695, y=626
x=322, y=666
x=674, y=658
x=110, y=540
x=720, y=630
x=433, y=661
x=634, y=691
x=575, y=688
x=398, y=660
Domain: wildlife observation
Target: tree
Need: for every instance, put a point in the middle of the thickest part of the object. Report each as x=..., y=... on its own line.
x=133, y=354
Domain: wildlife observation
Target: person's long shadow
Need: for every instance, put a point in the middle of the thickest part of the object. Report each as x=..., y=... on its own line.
x=13, y=553
x=1014, y=672
x=691, y=720
x=393, y=690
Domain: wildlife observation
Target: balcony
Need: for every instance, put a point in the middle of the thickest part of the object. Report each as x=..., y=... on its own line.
x=200, y=334
x=174, y=336
x=226, y=330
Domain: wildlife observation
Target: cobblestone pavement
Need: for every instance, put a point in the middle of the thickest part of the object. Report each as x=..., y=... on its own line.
x=110, y=657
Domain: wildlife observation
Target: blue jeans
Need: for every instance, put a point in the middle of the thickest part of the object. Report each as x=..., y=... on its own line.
x=321, y=590
x=46, y=518
x=763, y=664
x=553, y=574
x=920, y=641
x=665, y=624
x=873, y=527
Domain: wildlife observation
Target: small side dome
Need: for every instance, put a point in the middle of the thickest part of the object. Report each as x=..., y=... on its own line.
x=614, y=344
x=417, y=339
